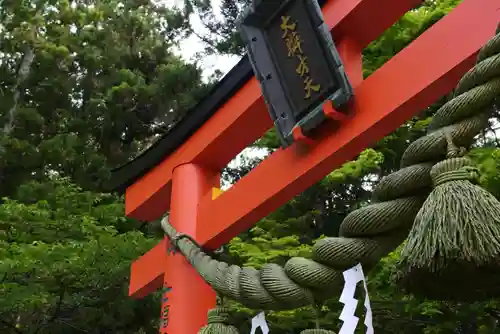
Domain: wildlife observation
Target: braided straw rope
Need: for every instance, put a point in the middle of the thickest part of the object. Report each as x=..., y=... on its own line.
x=370, y=232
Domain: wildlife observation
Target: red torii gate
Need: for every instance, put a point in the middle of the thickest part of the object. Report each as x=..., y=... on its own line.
x=187, y=180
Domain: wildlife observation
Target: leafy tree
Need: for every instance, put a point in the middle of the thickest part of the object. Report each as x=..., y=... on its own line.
x=66, y=255
x=86, y=84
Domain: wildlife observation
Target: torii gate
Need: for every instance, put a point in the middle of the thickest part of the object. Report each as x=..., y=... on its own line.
x=181, y=172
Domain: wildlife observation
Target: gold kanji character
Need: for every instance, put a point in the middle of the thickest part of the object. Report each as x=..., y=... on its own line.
x=309, y=88
x=287, y=26
x=293, y=44
x=303, y=68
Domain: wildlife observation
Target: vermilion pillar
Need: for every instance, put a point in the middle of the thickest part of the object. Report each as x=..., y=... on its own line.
x=187, y=297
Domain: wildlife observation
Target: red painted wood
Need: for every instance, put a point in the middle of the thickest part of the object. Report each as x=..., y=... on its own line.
x=244, y=117
x=187, y=298
x=427, y=69
x=145, y=277
x=416, y=77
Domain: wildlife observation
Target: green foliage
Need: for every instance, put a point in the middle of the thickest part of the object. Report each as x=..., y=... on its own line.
x=84, y=86
x=103, y=81
x=65, y=262
x=488, y=159
x=368, y=162
x=403, y=32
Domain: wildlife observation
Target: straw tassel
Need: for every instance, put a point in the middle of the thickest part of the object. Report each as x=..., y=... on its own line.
x=218, y=322
x=453, y=249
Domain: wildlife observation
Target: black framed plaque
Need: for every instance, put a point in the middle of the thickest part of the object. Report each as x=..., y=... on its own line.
x=296, y=62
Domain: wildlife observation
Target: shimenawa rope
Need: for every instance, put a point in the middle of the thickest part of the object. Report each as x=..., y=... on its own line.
x=370, y=232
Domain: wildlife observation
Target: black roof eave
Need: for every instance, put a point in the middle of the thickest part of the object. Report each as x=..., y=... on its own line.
x=125, y=175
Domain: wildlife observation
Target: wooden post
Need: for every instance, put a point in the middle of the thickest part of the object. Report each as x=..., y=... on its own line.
x=383, y=101
x=184, y=288
x=417, y=76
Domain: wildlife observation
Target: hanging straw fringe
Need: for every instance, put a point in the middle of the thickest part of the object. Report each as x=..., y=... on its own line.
x=456, y=230
x=453, y=249
x=219, y=322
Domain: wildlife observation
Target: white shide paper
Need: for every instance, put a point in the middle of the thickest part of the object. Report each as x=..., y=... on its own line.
x=260, y=321
x=352, y=277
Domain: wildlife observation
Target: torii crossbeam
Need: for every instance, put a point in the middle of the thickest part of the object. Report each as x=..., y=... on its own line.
x=183, y=177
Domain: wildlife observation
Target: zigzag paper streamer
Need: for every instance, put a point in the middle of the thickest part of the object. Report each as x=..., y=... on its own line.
x=260, y=321
x=352, y=277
